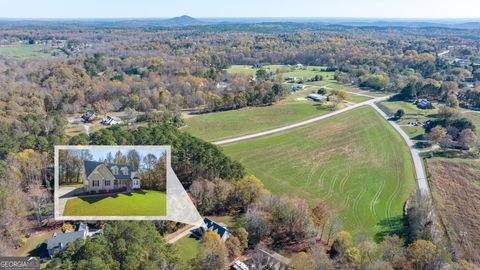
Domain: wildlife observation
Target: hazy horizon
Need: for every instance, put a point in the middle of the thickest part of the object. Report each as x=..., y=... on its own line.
x=266, y=9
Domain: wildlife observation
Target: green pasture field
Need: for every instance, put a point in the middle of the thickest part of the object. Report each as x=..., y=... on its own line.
x=288, y=71
x=355, y=161
x=25, y=50
x=228, y=124
x=136, y=203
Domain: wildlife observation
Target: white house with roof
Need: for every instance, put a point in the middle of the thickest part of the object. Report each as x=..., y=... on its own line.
x=60, y=240
x=111, y=120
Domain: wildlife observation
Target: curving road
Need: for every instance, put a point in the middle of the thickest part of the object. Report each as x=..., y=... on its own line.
x=417, y=160
x=299, y=124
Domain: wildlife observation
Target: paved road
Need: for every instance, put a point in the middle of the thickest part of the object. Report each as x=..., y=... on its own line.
x=299, y=124
x=417, y=160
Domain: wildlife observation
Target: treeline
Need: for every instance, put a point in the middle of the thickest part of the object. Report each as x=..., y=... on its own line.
x=31, y=131
x=192, y=158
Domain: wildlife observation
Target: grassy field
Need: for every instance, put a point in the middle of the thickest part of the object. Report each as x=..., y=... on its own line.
x=294, y=108
x=355, y=161
x=35, y=245
x=410, y=109
x=221, y=125
x=137, y=203
x=188, y=247
x=25, y=50
x=287, y=71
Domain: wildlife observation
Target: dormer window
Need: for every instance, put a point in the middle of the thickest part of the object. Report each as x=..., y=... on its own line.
x=125, y=170
x=114, y=169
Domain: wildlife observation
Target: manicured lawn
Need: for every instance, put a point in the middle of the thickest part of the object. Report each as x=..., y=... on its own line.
x=35, y=245
x=24, y=50
x=137, y=203
x=232, y=222
x=414, y=132
x=354, y=161
x=188, y=248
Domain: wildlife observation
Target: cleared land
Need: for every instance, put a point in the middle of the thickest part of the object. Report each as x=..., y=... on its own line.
x=287, y=71
x=354, y=161
x=137, y=203
x=412, y=114
x=25, y=50
x=223, y=125
x=456, y=188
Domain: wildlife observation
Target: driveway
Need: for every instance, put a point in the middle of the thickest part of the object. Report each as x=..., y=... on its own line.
x=65, y=193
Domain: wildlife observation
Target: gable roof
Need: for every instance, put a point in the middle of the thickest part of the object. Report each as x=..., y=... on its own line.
x=90, y=166
x=61, y=240
x=212, y=225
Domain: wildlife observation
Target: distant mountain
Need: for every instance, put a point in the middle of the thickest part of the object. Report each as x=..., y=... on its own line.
x=181, y=21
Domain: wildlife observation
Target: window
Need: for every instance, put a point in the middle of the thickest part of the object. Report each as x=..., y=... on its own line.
x=115, y=182
x=114, y=169
x=107, y=182
x=125, y=170
x=96, y=183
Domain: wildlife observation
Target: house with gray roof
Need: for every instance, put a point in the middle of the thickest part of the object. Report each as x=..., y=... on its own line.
x=100, y=176
x=60, y=240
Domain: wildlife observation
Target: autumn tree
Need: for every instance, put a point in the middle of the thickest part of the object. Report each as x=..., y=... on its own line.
x=320, y=216
x=436, y=134
x=212, y=255
x=302, y=261
x=426, y=255
x=342, y=242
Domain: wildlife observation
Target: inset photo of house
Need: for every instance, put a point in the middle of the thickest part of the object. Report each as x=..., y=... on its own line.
x=111, y=182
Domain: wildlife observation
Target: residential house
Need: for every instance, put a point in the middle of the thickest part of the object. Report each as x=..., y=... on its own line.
x=99, y=176
x=263, y=258
x=220, y=228
x=299, y=66
x=88, y=117
x=317, y=97
x=111, y=120
x=296, y=87
x=424, y=104
x=222, y=85
x=60, y=240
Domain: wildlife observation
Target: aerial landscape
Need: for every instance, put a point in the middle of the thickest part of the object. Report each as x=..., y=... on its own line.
x=333, y=136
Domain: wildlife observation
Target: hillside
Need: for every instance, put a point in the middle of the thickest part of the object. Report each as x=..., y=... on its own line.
x=354, y=161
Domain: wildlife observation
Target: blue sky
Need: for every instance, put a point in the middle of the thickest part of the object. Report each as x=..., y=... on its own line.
x=240, y=8
x=100, y=154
